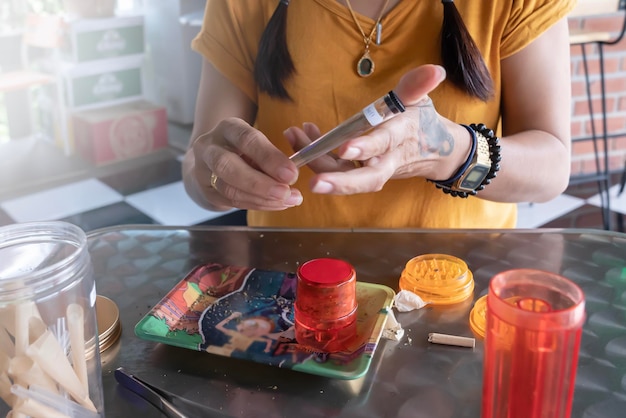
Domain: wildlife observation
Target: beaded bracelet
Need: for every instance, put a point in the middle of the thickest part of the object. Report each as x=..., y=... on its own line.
x=480, y=133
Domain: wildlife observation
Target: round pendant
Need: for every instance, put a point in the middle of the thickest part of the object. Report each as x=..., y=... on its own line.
x=365, y=66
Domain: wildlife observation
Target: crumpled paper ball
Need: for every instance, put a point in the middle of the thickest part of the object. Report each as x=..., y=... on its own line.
x=406, y=301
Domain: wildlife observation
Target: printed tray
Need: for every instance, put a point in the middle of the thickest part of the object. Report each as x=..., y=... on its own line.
x=246, y=313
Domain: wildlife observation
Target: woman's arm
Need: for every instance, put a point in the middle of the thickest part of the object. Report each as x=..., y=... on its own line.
x=535, y=146
x=217, y=99
x=252, y=172
x=536, y=141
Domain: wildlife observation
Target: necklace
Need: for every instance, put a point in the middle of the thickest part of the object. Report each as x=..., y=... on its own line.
x=365, y=65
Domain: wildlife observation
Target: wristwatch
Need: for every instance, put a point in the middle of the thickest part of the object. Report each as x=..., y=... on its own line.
x=478, y=169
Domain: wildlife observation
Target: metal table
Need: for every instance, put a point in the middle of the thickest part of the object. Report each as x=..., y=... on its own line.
x=136, y=266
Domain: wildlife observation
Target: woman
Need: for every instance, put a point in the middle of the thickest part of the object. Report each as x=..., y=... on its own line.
x=247, y=126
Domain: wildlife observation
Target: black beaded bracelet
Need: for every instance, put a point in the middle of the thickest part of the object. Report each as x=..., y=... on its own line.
x=451, y=186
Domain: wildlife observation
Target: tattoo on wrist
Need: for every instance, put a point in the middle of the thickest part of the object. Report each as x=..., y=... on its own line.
x=434, y=137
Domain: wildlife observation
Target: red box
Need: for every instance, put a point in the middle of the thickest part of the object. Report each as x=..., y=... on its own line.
x=120, y=132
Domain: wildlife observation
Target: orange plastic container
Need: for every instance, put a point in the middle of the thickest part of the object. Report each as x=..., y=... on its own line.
x=478, y=317
x=438, y=279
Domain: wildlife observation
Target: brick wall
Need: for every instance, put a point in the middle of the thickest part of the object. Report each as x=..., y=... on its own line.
x=615, y=81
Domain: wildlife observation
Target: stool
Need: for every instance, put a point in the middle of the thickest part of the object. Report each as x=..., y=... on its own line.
x=622, y=186
x=583, y=38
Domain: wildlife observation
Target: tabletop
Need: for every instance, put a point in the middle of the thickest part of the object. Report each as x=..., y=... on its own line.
x=136, y=266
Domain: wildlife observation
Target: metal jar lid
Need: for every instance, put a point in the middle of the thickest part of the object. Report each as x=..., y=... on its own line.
x=109, y=325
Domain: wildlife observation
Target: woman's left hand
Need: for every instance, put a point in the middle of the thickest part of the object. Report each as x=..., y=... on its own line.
x=418, y=142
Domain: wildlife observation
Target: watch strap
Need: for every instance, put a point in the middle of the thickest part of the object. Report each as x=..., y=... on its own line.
x=472, y=154
x=481, y=159
x=485, y=155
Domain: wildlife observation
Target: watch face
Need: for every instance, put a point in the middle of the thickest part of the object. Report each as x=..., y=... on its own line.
x=475, y=176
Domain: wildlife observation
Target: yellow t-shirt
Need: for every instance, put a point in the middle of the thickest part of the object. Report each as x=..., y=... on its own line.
x=325, y=45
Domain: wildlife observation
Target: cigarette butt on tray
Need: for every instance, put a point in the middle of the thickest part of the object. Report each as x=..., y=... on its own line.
x=451, y=340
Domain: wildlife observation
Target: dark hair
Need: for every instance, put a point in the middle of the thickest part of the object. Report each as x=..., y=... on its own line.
x=461, y=57
x=273, y=64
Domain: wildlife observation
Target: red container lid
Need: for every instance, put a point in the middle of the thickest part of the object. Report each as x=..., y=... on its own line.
x=326, y=272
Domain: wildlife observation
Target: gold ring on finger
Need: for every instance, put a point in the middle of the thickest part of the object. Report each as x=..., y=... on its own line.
x=214, y=181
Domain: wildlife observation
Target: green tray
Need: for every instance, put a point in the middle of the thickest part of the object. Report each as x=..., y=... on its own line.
x=246, y=313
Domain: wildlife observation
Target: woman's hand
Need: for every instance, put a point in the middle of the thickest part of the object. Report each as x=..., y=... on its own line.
x=235, y=165
x=419, y=142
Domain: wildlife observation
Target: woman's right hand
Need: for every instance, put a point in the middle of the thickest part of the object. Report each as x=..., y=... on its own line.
x=235, y=165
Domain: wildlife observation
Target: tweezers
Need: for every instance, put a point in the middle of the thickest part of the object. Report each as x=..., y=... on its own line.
x=170, y=404
x=162, y=400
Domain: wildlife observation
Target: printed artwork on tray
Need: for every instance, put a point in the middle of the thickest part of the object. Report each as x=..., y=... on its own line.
x=247, y=313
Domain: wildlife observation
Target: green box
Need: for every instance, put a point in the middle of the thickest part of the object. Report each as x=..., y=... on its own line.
x=104, y=83
x=95, y=39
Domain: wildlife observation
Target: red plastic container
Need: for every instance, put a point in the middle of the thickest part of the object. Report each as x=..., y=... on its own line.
x=326, y=305
x=534, y=325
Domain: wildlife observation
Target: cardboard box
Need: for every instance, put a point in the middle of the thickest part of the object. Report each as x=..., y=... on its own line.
x=120, y=132
x=87, y=40
x=104, y=83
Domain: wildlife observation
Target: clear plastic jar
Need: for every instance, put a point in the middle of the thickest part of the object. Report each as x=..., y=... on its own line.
x=48, y=332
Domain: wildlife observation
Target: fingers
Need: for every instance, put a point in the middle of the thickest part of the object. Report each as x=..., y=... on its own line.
x=237, y=166
x=311, y=130
x=300, y=138
x=420, y=114
x=258, y=150
x=417, y=83
x=278, y=197
x=391, y=151
x=362, y=180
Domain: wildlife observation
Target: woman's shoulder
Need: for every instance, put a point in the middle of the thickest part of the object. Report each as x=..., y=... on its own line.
x=250, y=8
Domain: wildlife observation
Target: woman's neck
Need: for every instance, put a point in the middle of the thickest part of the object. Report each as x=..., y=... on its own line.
x=369, y=8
